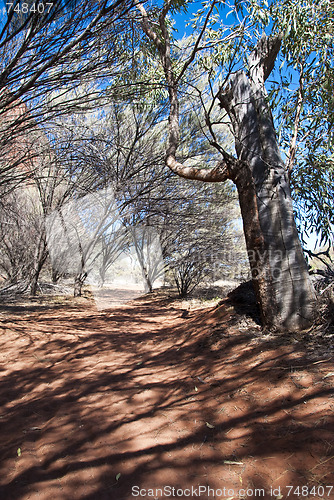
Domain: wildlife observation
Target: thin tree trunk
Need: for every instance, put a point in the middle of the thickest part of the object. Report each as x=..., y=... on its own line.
x=102, y=277
x=39, y=261
x=78, y=284
x=55, y=275
x=148, y=283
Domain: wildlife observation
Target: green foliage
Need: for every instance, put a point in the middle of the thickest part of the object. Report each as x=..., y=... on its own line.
x=300, y=92
x=306, y=77
x=312, y=186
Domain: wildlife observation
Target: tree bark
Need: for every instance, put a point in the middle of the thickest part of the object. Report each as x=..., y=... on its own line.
x=55, y=275
x=148, y=283
x=282, y=284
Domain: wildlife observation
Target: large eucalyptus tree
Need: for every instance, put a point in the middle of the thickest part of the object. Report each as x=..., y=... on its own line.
x=238, y=61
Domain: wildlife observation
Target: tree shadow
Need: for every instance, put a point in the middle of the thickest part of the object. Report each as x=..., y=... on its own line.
x=93, y=405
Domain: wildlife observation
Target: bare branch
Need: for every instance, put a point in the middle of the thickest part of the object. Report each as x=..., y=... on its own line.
x=293, y=144
x=220, y=173
x=196, y=46
x=66, y=50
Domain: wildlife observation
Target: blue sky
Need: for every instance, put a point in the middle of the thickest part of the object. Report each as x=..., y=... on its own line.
x=183, y=18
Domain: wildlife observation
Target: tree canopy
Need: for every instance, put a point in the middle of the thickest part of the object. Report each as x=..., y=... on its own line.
x=248, y=96
x=300, y=88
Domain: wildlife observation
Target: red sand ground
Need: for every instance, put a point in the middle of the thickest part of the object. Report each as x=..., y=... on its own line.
x=95, y=405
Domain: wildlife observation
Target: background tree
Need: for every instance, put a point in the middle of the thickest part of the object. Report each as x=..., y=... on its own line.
x=115, y=150
x=77, y=231
x=203, y=236
x=18, y=235
x=190, y=219
x=53, y=63
x=113, y=244
x=26, y=209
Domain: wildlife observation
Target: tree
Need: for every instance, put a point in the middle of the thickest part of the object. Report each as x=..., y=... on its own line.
x=26, y=209
x=53, y=63
x=113, y=244
x=18, y=234
x=111, y=158
x=146, y=243
x=49, y=185
x=280, y=277
x=202, y=235
x=77, y=233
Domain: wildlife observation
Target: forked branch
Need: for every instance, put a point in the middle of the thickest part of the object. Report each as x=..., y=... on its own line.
x=223, y=170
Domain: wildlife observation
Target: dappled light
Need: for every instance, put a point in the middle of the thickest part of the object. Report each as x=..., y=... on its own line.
x=94, y=404
x=162, y=337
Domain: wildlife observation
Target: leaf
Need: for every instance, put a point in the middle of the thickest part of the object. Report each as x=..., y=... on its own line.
x=118, y=476
x=19, y=453
x=210, y=425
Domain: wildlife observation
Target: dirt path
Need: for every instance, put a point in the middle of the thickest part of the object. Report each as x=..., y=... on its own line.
x=115, y=405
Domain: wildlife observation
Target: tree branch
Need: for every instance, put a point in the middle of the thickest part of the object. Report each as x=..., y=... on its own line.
x=51, y=61
x=262, y=58
x=220, y=173
x=196, y=46
x=146, y=26
x=223, y=170
x=293, y=147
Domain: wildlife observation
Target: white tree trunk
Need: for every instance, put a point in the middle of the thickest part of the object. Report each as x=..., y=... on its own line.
x=281, y=280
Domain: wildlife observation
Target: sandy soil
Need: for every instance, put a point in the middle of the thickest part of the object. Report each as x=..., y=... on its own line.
x=138, y=400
